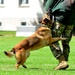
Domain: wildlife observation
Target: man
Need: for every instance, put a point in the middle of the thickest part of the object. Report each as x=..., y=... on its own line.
x=64, y=18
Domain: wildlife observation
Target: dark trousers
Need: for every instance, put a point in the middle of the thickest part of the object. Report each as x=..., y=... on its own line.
x=60, y=30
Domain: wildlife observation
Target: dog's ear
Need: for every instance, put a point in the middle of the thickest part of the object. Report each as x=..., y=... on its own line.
x=33, y=41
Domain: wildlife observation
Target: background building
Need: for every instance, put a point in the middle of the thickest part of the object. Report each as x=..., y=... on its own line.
x=14, y=13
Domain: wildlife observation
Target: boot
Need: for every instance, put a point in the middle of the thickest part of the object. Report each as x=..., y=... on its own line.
x=62, y=63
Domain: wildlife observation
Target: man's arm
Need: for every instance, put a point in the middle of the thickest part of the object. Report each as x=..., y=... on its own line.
x=48, y=4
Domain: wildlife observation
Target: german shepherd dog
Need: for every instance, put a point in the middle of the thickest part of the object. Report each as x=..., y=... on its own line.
x=41, y=38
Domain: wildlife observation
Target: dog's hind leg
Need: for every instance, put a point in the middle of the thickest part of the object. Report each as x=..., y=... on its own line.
x=20, y=58
x=20, y=63
x=24, y=59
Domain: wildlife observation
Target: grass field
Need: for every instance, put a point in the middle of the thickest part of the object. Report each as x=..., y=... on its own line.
x=40, y=62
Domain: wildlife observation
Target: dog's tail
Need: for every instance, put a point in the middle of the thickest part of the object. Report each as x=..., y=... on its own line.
x=9, y=54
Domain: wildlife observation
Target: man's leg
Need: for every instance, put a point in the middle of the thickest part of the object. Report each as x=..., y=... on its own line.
x=57, y=31
x=65, y=43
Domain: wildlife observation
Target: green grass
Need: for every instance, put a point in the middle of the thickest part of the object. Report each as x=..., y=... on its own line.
x=40, y=62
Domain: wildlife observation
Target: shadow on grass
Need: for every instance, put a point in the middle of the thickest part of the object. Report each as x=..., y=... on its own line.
x=70, y=70
x=49, y=69
x=34, y=68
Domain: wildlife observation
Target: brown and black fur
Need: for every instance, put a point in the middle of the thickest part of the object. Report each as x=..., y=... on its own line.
x=42, y=37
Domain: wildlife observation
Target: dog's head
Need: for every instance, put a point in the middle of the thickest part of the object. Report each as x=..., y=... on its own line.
x=46, y=20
